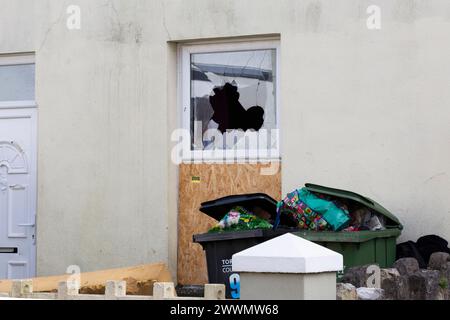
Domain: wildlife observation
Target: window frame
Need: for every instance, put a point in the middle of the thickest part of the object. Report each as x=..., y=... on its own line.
x=184, y=84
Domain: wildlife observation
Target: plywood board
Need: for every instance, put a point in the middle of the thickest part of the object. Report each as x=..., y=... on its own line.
x=203, y=182
x=139, y=280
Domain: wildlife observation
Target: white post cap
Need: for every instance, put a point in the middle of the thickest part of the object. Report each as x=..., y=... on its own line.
x=287, y=254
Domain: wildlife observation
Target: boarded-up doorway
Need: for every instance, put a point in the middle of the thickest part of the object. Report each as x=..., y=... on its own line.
x=203, y=182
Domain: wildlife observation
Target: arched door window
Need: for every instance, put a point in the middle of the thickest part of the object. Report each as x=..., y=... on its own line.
x=12, y=157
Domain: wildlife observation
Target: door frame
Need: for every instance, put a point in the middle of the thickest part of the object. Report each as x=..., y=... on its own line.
x=26, y=109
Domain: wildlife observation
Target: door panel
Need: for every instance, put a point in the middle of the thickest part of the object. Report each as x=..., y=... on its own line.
x=18, y=211
x=17, y=269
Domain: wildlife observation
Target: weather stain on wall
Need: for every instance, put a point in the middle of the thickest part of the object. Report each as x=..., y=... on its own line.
x=312, y=16
x=121, y=31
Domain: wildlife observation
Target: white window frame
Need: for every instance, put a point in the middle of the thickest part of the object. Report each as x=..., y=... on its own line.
x=17, y=59
x=184, y=85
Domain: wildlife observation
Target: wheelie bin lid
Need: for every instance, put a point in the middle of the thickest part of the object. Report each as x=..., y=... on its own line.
x=392, y=221
x=216, y=209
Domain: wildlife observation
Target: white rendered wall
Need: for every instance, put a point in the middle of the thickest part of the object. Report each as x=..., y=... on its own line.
x=360, y=109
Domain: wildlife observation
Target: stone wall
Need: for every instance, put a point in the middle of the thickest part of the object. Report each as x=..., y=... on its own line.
x=405, y=281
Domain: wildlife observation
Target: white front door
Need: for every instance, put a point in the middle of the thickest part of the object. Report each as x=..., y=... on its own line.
x=17, y=167
x=17, y=193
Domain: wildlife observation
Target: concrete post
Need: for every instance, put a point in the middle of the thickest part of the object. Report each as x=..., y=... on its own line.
x=214, y=292
x=67, y=290
x=115, y=289
x=163, y=290
x=288, y=268
x=21, y=288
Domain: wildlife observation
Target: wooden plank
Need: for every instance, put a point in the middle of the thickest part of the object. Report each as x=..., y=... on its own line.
x=139, y=280
x=203, y=182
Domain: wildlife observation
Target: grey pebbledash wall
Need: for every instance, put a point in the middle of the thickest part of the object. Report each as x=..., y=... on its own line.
x=364, y=110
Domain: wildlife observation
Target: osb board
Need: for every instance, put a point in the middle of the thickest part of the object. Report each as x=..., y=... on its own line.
x=139, y=280
x=203, y=182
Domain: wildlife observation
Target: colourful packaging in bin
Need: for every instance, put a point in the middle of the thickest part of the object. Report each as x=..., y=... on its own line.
x=297, y=214
x=337, y=218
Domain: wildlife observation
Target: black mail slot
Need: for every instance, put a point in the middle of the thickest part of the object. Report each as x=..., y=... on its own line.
x=8, y=250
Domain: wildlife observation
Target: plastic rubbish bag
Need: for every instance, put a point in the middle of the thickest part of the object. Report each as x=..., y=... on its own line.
x=361, y=218
x=376, y=223
x=365, y=219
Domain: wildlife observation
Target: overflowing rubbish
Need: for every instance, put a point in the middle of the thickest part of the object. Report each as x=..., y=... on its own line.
x=353, y=225
x=240, y=218
x=312, y=208
x=308, y=210
x=312, y=212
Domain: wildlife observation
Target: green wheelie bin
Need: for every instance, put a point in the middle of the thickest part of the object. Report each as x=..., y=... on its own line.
x=358, y=247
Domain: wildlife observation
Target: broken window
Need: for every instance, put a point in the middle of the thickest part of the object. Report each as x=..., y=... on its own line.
x=232, y=99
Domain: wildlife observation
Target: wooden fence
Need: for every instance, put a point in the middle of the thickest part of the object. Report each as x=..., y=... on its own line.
x=114, y=290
